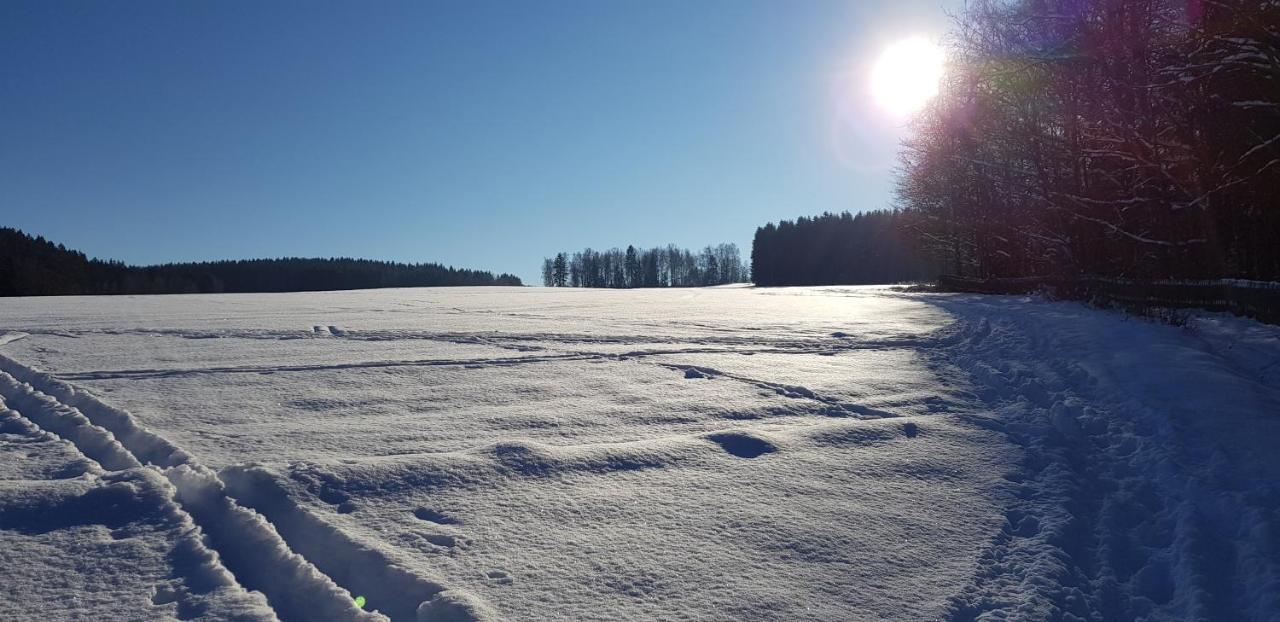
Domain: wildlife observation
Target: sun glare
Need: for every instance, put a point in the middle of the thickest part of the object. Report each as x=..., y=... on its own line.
x=906, y=75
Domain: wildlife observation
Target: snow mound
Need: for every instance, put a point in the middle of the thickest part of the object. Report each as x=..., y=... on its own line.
x=862, y=433
x=529, y=458
x=454, y=606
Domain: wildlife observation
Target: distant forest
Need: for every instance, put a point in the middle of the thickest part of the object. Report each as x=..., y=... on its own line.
x=34, y=266
x=652, y=267
x=1116, y=139
x=844, y=249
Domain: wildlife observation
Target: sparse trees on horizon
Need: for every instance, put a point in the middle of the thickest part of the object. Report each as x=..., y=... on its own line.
x=634, y=267
x=559, y=271
x=1110, y=138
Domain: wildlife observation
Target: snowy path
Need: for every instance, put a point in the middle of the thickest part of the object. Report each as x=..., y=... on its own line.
x=724, y=454
x=1151, y=483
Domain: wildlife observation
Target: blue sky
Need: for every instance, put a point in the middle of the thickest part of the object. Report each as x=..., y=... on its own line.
x=474, y=133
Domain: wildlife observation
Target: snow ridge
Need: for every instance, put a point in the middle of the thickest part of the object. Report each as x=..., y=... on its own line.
x=364, y=569
x=146, y=446
x=44, y=411
x=252, y=549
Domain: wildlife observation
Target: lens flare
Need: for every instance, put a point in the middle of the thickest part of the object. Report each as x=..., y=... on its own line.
x=906, y=75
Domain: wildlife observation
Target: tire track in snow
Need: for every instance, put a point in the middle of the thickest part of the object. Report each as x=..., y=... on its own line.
x=515, y=341
x=145, y=446
x=248, y=545
x=261, y=369
x=327, y=553
x=11, y=336
x=558, y=357
x=828, y=345
x=55, y=417
x=203, y=571
x=392, y=588
x=833, y=406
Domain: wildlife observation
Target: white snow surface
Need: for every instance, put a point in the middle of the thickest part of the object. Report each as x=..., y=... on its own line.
x=731, y=453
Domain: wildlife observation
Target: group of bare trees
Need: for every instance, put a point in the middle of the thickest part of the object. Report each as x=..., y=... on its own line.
x=1136, y=138
x=653, y=267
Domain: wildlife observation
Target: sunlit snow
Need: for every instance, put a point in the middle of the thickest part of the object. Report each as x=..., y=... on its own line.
x=714, y=454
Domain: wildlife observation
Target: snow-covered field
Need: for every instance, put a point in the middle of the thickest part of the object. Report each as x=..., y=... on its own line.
x=713, y=454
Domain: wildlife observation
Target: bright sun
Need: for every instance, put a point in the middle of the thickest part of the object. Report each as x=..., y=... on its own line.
x=906, y=75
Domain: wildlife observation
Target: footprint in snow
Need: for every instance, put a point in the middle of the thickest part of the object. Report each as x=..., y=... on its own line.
x=499, y=576
x=1018, y=523
x=332, y=496
x=444, y=540
x=432, y=516
x=164, y=595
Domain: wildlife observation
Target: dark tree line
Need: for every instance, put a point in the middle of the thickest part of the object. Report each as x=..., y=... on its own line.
x=645, y=267
x=837, y=249
x=33, y=266
x=1107, y=137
